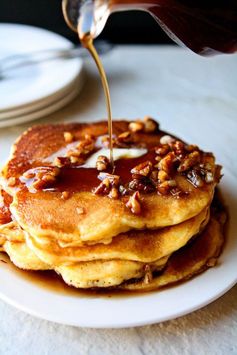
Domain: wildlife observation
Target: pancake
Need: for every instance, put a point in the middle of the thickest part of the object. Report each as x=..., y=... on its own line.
x=140, y=226
x=44, y=214
x=108, y=273
x=97, y=273
x=12, y=232
x=143, y=246
x=189, y=261
x=196, y=256
x=23, y=257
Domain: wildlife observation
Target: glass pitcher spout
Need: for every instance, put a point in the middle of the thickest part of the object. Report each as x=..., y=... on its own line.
x=86, y=16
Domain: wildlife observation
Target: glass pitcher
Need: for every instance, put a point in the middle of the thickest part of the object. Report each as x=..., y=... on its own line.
x=206, y=27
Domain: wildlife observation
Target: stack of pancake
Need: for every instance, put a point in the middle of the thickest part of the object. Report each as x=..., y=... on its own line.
x=147, y=222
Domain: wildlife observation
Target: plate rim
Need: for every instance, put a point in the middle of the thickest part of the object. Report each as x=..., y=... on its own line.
x=46, y=110
x=65, y=43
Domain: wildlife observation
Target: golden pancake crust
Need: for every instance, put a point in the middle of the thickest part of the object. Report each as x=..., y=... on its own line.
x=44, y=213
x=143, y=246
x=194, y=258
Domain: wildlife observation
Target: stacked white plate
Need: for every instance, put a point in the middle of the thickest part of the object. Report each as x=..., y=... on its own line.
x=31, y=91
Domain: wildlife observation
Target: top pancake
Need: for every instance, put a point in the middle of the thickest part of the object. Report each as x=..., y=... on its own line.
x=44, y=212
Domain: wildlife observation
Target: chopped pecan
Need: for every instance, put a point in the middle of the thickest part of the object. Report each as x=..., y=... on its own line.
x=148, y=274
x=90, y=137
x=150, y=125
x=163, y=150
x=194, y=177
x=154, y=175
x=68, y=137
x=189, y=161
x=80, y=210
x=123, y=190
x=143, y=185
x=108, y=184
x=143, y=169
x=136, y=126
x=178, y=148
x=114, y=193
x=42, y=177
x=113, y=179
x=102, y=163
x=11, y=181
x=29, y=174
x=39, y=184
x=65, y=195
x=73, y=153
x=134, y=203
x=106, y=142
x=190, y=147
x=103, y=188
x=167, y=163
x=163, y=188
x=176, y=192
x=61, y=161
x=124, y=139
x=74, y=159
x=166, y=139
x=209, y=178
x=86, y=146
x=163, y=176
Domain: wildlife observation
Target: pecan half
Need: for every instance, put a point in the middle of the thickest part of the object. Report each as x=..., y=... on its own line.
x=194, y=177
x=134, y=203
x=163, y=150
x=124, y=139
x=189, y=161
x=168, y=163
x=136, y=126
x=143, y=185
x=163, y=176
x=148, y=274
x=150, y=125
x=61, y=161
x=11, y=182
x=114, y=193
x=113, y=179
x=143, y=169
x=65, y=195
x=102, y=163
x=42, y=177
x=86, y=146
x=68, y=137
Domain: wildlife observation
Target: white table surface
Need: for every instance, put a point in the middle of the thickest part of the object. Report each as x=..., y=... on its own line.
x=190, y=96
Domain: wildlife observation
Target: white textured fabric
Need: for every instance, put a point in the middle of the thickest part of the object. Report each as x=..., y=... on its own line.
x=211, y=330
x=181, y=90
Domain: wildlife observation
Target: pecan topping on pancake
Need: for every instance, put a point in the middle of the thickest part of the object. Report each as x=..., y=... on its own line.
x=68, y=137
x=134, y=203
x=102, y=163
x=42, y=177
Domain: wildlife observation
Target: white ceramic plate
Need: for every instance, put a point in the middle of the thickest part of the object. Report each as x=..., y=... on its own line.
x=46, y=110
x=39, y=105
x=33, y=84
x=104, y=312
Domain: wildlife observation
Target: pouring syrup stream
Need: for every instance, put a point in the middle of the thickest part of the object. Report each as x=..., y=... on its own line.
x=87, y=42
